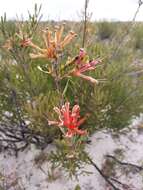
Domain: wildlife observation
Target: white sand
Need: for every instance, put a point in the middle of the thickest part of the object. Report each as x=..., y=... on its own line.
x=33, y=178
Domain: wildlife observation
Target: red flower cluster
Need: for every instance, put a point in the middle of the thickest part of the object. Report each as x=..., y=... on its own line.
x=69, y=119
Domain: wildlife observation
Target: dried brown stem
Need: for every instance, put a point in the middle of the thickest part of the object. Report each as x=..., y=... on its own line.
x=125, y=163
x=85, y=22
x=106, y=178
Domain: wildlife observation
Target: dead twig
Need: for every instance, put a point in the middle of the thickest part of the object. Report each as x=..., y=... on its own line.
x=106, y=178
x=125, y=163
x=85, y=22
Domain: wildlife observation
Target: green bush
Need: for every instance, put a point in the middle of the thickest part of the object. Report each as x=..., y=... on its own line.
x=137, y=36
x=106, y=30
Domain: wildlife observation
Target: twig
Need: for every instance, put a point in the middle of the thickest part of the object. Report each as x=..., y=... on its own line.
x=57, y=80
x=85, y=22
x=106, y=178
x=125, y=186
x=124, y=163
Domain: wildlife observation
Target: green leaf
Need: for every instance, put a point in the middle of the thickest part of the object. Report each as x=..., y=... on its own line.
x=66, y=87
x=77, y=187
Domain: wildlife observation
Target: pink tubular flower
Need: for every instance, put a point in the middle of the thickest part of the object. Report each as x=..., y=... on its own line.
x=69, y=119
x=83, y=66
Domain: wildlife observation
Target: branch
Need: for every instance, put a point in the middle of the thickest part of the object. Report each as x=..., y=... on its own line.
x=85, y=22
x=125, y=163
x=125, y=186
x=106, y=178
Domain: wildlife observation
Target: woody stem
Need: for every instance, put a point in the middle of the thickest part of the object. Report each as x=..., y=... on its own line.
x=57, y=79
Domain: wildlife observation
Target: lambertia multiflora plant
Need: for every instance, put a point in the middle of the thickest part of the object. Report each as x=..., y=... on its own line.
x=53, y=91
x=58, y=68
x=68, y=121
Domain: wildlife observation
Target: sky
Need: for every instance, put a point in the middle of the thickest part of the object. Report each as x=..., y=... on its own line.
x=113, y=10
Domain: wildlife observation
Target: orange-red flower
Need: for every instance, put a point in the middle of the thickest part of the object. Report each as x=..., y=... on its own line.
x=54, y=44
x=69, y=119
x=82, y=66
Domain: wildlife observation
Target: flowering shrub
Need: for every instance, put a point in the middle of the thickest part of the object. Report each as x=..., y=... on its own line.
x=38, y=110
x=53, y=91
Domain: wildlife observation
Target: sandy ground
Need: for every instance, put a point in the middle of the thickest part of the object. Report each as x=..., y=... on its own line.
x=127, y=146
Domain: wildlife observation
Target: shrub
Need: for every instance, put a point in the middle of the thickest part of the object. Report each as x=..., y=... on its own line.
x=137, y=36
x=106, y=30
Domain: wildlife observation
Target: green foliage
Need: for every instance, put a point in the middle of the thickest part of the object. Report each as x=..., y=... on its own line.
x=137, y=35
x=106, y=30
x=70, y=156
x=77, y=187
x=39, y=110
